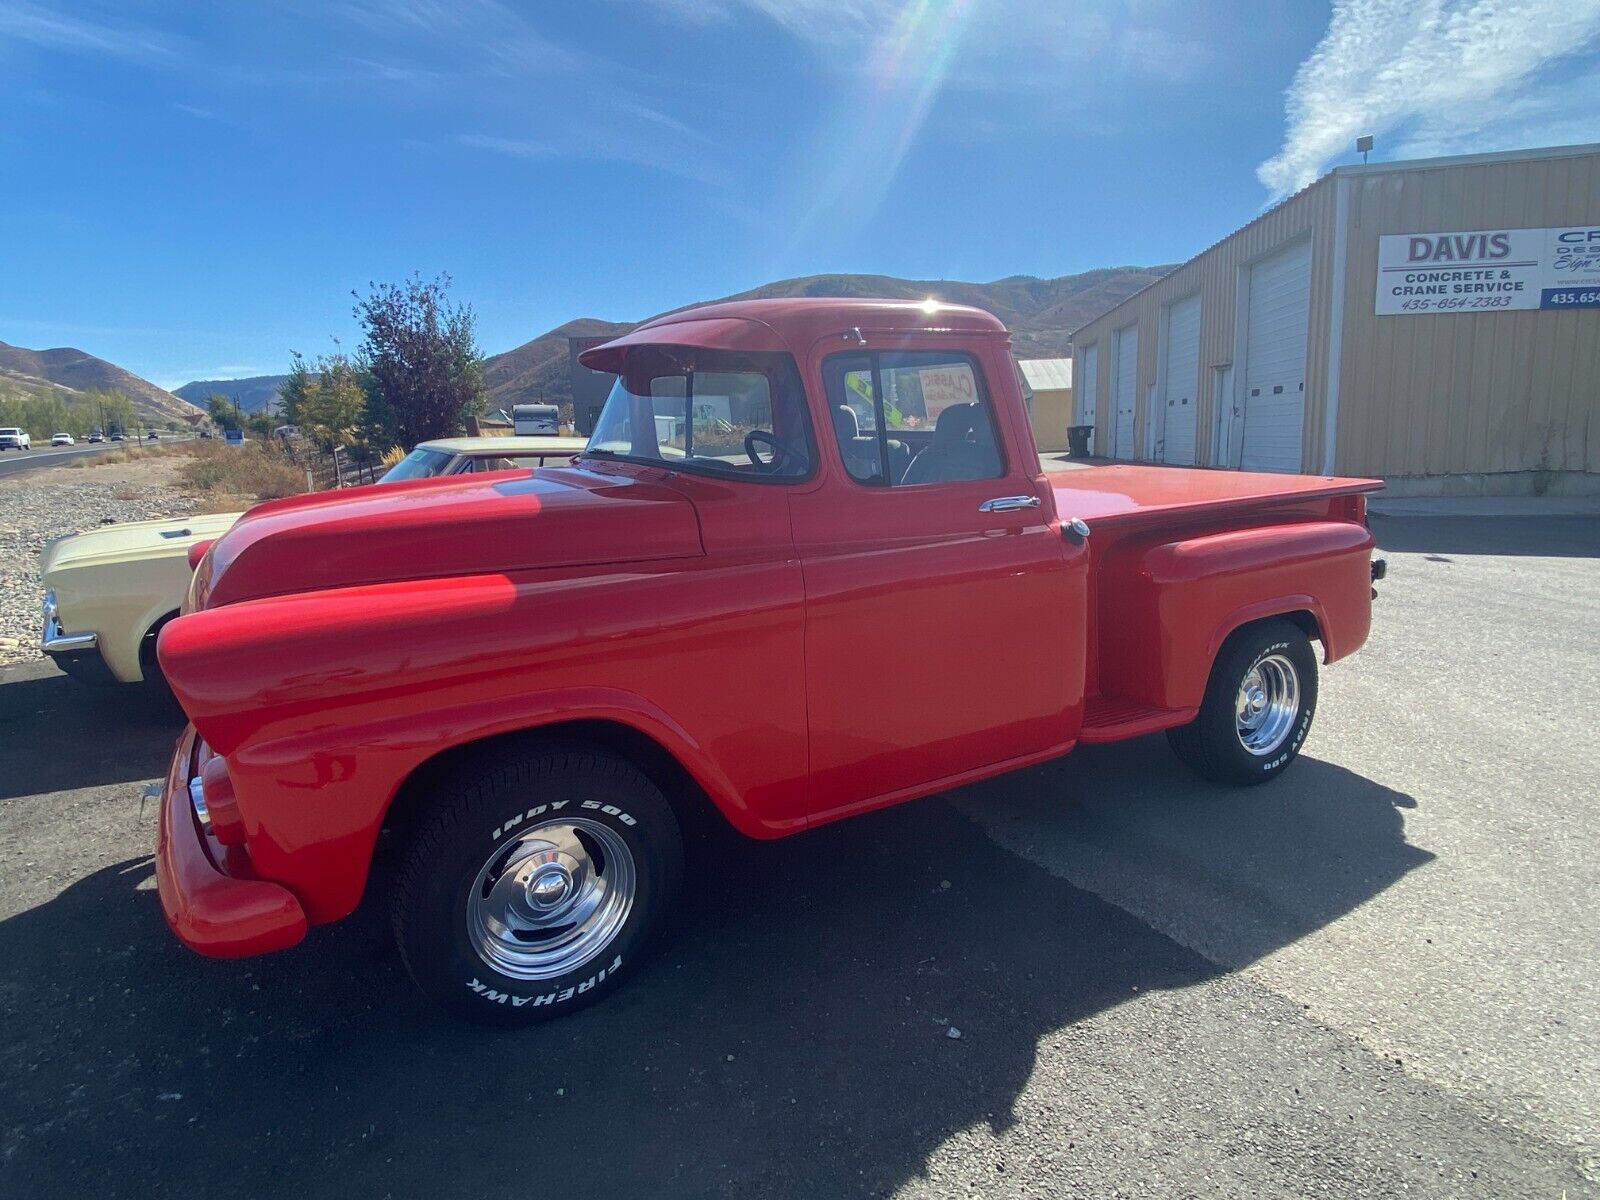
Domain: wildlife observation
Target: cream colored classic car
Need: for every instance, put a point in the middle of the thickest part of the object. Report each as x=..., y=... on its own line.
x=108, y=591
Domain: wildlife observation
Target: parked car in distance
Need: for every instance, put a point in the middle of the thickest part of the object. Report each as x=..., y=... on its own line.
x=96, y=436
x=842, y=581
x=119, y=436
x=108, y=591
x=63, y=439
x=535, y=420
x=456, y=456
x=153, y=436
x=12, y=438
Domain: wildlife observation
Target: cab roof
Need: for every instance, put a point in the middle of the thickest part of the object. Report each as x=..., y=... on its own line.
x=790, y=323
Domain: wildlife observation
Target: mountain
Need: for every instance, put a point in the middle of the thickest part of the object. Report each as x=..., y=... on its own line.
x=539, y=371
x=1041, y=314
x=252, y=394
x=69, y=371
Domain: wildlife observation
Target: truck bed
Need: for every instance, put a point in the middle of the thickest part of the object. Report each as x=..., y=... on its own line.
x=1131, y=495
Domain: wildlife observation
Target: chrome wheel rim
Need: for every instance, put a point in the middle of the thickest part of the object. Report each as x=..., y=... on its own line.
x=1268, y=700
x=552, y=898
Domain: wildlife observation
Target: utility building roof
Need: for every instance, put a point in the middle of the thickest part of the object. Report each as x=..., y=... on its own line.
x=1046, y=374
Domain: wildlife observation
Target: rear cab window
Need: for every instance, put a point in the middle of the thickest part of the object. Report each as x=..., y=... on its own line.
x=905, y=418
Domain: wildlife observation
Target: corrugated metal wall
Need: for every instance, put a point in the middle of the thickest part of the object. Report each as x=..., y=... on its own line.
x=1422, y=394
x=1459, y=393
x=1215, y=276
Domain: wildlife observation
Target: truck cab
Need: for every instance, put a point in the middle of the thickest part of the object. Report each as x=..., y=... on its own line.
x=808, y=565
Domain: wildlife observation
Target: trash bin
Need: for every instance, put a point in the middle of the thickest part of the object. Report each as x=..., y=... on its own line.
x=1078, y=440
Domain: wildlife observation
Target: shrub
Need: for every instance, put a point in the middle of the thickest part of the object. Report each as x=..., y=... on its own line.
x=252, y=470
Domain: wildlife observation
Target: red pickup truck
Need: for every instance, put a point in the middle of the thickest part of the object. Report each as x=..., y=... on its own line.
x=808, y=566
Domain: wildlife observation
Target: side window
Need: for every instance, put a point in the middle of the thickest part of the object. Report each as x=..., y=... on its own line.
x=903, y=418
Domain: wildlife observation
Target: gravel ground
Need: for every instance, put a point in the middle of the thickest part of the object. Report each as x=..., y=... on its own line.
x=38, y=507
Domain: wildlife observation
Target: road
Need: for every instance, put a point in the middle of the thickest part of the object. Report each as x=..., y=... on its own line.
x=13, y=462
x=1372, y=976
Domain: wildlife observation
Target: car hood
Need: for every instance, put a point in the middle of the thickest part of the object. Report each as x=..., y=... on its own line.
x=487, y=524
x=132, y=541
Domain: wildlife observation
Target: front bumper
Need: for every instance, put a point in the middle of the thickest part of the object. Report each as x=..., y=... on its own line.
x=210, y=898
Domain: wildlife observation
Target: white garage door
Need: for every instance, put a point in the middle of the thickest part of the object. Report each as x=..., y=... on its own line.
x=1084, y=389
x=1125, y=392
x=1180, y=370
x=1275, y=361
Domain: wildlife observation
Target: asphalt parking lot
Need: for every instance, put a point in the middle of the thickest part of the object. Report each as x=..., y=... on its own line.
x=1376, y=975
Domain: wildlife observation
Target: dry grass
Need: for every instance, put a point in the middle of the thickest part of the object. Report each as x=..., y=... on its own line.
x=132, y=452
x=235, y=476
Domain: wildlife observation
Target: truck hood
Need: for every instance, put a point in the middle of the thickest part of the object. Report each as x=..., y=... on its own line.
x=487, y=524
x=133, y=541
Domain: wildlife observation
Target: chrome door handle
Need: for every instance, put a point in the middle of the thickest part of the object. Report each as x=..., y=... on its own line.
x=1008, y=504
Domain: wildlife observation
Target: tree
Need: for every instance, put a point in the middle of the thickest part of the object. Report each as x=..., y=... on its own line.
x=292, y=392
x=108, y=410
x=330, y=402
x=223, y=411
x=423, y=368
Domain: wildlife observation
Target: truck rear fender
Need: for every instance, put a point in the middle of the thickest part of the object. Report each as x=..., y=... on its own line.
x=1166, y=607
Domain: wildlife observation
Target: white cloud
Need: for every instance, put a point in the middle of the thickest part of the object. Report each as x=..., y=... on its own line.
x=595, y=144
x=1440, y=75
x=1007, y=45
x=57, y=31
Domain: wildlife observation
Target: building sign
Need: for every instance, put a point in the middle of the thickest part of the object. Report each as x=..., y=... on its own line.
x=1489, y=269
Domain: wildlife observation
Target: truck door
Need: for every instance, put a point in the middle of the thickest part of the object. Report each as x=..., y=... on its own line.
x=944, y=611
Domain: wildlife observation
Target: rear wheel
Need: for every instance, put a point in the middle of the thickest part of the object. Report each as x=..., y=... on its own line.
x=1258, y=706
x=536, y=883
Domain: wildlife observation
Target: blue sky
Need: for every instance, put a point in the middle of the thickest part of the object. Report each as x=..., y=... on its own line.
x=193, y=190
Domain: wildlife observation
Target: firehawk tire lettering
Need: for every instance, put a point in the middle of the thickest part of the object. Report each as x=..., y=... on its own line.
x=498, y=997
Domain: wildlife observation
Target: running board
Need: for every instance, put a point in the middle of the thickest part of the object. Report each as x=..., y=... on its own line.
x=1108, y=719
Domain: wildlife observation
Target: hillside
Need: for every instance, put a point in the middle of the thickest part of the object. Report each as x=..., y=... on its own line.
x=538, y=371
x=252, y=394
x=1041, y=314
x=71, y=371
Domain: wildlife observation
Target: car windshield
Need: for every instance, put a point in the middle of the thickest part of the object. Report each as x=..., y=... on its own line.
x=419, y=464
x=712, y=411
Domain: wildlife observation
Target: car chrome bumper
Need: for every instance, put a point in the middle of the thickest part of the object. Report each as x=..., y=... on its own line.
x=210, y=901
x=55, y=640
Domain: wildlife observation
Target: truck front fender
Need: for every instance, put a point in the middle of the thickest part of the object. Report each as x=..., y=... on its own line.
x=325, y=704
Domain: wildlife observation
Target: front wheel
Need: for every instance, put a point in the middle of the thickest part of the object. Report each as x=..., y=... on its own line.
x=536, y=884
x=1258, y=706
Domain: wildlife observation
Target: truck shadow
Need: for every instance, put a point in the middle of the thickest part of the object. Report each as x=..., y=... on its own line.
x=79, y=736
x=790, y=1037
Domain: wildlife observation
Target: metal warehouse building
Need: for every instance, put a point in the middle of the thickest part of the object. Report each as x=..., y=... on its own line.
x=1434, y=322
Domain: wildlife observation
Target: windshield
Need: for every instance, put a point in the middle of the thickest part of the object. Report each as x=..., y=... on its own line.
x=713, y=411
x=419, y=464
